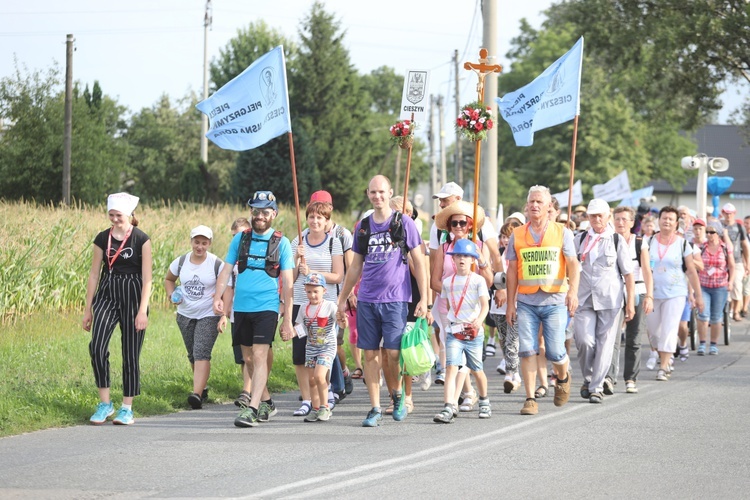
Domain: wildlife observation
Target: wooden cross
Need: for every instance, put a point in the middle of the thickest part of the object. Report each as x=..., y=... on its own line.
x=482, y=69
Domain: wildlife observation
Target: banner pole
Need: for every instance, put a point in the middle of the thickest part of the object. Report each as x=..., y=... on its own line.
x=572, y=168
x=408, y=171
x=296, y=191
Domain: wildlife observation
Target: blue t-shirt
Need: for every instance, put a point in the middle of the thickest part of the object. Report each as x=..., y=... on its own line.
x=255, y=290
x=385, y=276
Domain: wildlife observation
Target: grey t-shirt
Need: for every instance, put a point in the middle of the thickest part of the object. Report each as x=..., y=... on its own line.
x=737, y=235
x=542, y=298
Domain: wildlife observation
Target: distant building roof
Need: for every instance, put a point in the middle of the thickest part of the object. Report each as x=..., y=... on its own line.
x=728, y=142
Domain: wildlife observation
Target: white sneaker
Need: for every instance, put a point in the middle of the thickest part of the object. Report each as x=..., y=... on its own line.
x=426, y=381
x=516, y=381
x=651, y=363
x=501, y=367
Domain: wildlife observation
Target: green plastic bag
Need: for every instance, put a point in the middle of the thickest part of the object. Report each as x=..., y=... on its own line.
x=416, y=356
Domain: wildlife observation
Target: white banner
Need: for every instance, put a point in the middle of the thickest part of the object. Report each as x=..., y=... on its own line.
x=415, y=97
x=562, y=198
x=634, y=198
x=615, y=189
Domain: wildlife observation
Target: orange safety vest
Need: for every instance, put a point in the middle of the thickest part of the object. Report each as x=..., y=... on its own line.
x=540, y=267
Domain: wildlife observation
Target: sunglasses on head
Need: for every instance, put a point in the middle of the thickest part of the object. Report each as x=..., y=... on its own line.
x=459, y=223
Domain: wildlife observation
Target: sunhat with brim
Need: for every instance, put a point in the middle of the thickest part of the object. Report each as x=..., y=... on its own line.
x=442, y=219
x=464, y=247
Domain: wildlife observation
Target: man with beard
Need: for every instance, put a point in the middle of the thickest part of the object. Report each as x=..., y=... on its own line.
x=262, y=255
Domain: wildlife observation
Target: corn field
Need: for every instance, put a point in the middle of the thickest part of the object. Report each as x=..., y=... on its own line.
x=45, y=251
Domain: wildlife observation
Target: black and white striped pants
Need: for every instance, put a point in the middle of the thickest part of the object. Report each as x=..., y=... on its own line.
x=117, y=301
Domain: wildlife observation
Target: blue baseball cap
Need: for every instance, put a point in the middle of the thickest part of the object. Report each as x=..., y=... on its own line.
x=315, y=279
x=464, y=247
x=263, y=199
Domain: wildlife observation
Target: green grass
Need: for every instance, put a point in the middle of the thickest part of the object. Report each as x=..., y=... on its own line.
x=47, y=380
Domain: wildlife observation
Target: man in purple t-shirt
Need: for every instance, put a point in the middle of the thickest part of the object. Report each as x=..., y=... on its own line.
x=384, y=292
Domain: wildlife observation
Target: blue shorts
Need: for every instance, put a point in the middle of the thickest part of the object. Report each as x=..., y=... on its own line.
x=553, y=320
x=714, y=300
x=455, y=350
x=686, y=312
x=380, y=321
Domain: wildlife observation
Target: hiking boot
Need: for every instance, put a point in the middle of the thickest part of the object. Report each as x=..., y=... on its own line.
x=243, y=400
x=195, y=402
x=630, y=387
x=248, y=417
x=124, y=417
x=266, y=411
x=609, y=387
x=485, y=409
x=373, y=418
x=562, y=390
x=585, y=394
x=312, y=416
x=446, y=416
x=324, y=414
x=103, y=411
x=596, y=397
x=399, y=407
x=530, y=407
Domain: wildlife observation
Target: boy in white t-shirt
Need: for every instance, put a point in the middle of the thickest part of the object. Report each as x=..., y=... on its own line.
x=316, y=320
x=468, y=303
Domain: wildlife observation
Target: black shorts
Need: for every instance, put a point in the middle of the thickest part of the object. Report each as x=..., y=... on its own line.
x=254, y=328
x=489, y=321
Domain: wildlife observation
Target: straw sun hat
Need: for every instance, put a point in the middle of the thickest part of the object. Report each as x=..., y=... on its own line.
x=442, y=219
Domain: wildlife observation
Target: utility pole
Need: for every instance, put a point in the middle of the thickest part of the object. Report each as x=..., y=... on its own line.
x=459, y=173
x=68, y=132
x=207, y=20
x=489, y=158
x=443, y=172
x=433, y=159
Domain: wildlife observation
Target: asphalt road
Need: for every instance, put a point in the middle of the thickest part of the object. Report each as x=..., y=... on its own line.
x=686, y=438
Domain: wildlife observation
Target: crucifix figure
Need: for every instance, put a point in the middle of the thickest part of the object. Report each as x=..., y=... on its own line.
x=482, y=69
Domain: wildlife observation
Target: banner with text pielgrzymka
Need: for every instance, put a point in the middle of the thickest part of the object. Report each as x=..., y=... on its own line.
x=552, y=98
x=253, y=107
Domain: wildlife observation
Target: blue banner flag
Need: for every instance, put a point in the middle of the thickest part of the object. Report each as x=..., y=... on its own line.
x=552, y=98
x=253, y=107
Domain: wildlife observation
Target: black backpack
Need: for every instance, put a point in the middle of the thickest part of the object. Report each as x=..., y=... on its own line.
x=217, y=264
x=395, y=228
x=684, y=247
x=272, y=267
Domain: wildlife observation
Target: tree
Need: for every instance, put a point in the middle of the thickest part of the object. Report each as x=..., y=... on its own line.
x=332, y=107
x=31, y=146
x=668, y=56
x=612, y=134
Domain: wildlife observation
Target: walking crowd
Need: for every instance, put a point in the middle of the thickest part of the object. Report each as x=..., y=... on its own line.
x=608, y=279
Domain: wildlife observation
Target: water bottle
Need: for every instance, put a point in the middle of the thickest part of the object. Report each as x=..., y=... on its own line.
x=177, y=295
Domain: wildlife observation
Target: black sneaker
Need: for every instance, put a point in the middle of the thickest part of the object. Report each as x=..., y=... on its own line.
x=195, y=402
x=204, y=395
x=348, y=384
x=266, y=411
x=248, y=417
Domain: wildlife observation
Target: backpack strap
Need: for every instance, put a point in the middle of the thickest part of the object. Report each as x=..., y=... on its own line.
x=217, y=264
x=181, y=262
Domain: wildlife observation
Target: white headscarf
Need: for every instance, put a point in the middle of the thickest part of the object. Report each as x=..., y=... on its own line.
x=122, y=202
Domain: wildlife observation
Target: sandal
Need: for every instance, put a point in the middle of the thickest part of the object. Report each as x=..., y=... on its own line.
x=541, y=392
x=303, y=410
x=357, y=373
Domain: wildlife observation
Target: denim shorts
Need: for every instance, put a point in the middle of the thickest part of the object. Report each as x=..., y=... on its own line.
x=714, y=300
x=455, y=350
x=686, y=312
x=553, y=318
x=380, y=321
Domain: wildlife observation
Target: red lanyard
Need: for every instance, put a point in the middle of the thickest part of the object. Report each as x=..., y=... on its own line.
x=111, y=261
x=307, y=312
x=541, y=238
x=457, y=308
x=587, y=248
x=660, y=244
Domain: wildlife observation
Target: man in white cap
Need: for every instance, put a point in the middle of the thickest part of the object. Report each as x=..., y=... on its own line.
x=605, y=262
x=738, y=237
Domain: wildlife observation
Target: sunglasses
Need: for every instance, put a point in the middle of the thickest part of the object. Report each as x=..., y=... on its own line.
x=264, y=212
x=459, y=223
x=711, y=232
